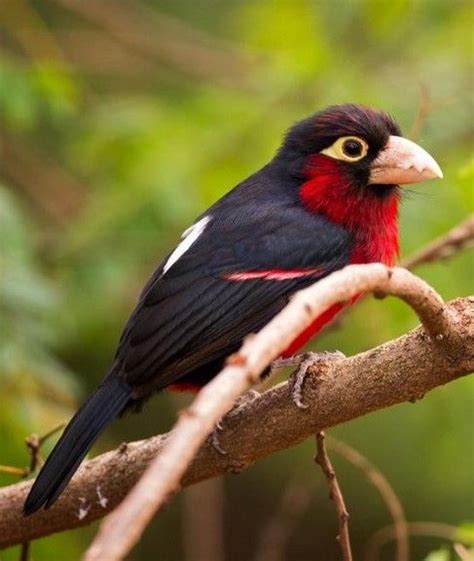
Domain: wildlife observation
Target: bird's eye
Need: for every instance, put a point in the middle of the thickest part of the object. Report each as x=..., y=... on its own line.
x=348, y=149
x=352, y=148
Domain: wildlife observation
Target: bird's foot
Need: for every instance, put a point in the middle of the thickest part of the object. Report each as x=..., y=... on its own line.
x=280, y=363
x=304, y=362
x=248, y=397
x=215, y=440
x=242, y=401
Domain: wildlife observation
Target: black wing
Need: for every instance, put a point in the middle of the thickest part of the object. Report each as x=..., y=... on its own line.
x=197, y=311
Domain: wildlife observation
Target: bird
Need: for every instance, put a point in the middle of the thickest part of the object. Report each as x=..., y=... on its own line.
x=329, y=197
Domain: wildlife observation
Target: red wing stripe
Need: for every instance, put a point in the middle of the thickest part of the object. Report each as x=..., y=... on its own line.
x=273, y=274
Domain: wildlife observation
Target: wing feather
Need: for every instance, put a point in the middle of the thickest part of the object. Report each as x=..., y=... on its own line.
x=195, y=313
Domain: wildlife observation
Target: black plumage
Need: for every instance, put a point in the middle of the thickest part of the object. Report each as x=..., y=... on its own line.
x=191, y=318
x=200, y=304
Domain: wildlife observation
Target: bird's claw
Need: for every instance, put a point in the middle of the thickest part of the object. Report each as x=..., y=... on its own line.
x=280, y=363
x=248, y=397
x=297, y=380
x=241, y=401
x=215, y=441
x=298, y=377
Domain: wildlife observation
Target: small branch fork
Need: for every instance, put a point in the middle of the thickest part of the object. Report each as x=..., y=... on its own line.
x=336, y=496
x=123, y=528
x=33, y=443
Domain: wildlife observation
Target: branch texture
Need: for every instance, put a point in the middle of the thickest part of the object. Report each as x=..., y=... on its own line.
x=338, y=391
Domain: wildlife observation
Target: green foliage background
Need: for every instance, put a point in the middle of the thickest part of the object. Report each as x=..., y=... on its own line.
x=119, y=123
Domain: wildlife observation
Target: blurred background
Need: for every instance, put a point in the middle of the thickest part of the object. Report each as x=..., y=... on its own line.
x=120, y=122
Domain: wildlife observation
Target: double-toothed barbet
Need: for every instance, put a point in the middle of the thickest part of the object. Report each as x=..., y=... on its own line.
x=329, y=197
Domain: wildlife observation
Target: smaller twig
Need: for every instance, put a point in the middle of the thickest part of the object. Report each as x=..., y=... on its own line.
x=52, y=432
x=336, y=496
x=25, y=551
x=33, y=444
x=12, y=470
x=458, y=238
x=386, y=491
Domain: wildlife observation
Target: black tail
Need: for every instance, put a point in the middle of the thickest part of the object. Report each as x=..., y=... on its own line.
x=100, y=409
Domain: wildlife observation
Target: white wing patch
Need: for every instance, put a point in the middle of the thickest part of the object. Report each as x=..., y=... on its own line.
x=189, y=237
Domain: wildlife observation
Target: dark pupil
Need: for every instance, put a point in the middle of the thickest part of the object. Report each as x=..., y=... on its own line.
x=352, y=148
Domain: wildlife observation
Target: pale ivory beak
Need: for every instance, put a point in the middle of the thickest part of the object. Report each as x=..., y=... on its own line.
x=402, y=161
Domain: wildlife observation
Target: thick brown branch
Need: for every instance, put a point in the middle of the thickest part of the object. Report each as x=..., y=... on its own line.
x=401, y=370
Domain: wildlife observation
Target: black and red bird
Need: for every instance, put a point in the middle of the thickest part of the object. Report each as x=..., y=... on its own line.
x=329, y=197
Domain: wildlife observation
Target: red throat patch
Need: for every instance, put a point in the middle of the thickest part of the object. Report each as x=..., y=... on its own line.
x=373, y=221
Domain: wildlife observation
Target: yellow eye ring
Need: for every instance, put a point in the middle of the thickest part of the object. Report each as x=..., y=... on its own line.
x=348, y=149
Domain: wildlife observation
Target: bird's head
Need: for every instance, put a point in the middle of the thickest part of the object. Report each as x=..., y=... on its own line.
x=351, y=161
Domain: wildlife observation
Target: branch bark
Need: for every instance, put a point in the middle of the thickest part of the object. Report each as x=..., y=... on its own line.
x=400, y=370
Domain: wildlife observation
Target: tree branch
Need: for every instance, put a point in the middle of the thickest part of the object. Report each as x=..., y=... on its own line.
x=401, y=370
x=446, y=246
x=336, y=496
x=123, y=528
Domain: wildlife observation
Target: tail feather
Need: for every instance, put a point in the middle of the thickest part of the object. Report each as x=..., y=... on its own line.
x=99, y=410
